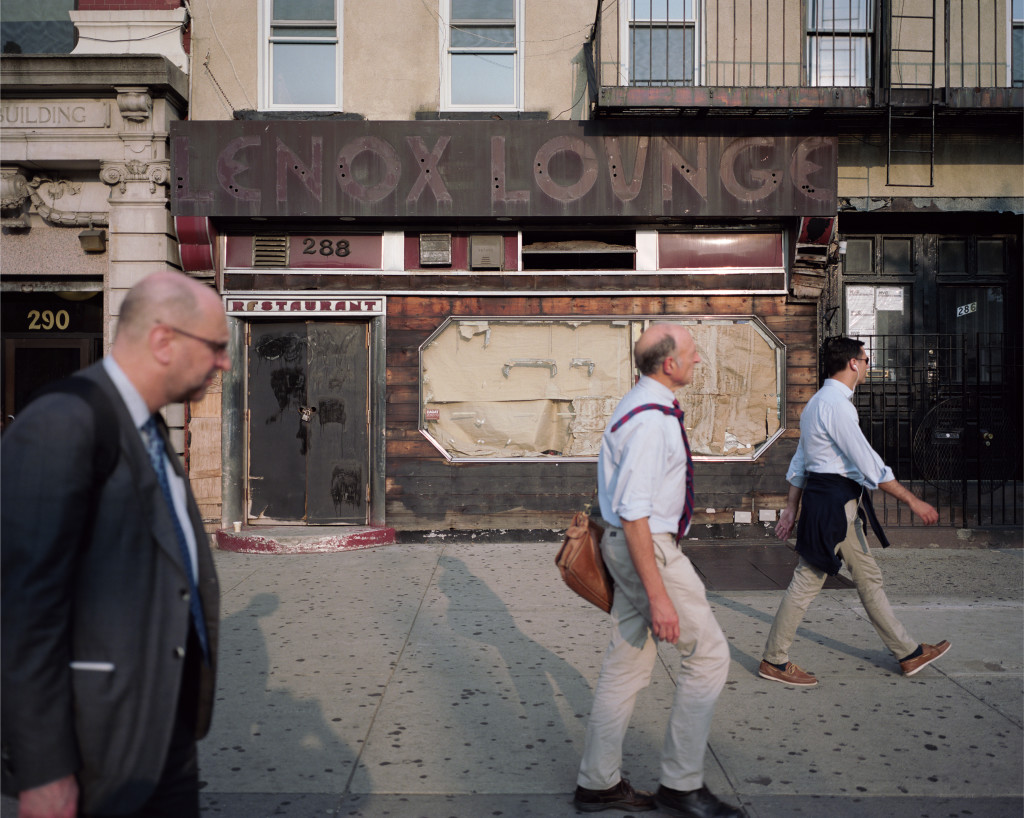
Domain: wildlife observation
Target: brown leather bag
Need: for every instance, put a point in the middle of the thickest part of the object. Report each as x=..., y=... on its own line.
x=579, y=559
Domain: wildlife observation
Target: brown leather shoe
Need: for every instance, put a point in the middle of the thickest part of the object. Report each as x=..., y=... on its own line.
x=790, y=675
x=929, y=653
x=621, y=796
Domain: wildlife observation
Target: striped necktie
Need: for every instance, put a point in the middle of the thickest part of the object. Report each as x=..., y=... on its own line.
x=676, y=412
x=156, y=448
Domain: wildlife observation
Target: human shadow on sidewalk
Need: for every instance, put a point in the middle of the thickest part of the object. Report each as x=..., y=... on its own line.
x=514, y=693
x=264, y=737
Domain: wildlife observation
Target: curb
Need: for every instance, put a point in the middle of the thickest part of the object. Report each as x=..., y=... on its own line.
x=298, y=542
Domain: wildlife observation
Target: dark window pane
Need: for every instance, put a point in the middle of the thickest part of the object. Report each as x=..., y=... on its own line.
x=484, y=37
x=990, y=257
x=483, y=10
x=1018, y=55
x=858, y=258
x=303, y=9
x=327, y=32
x=31, y=27
x=663, y=54
x=896, y=255
x=952, y=256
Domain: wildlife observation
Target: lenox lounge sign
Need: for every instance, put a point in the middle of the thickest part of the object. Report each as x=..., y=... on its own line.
x=516, y=170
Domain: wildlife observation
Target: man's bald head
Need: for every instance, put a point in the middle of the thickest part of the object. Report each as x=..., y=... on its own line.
x=655, y=345
x=167, y=297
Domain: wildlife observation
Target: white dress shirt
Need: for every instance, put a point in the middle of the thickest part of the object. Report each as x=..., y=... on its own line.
x=831, y=441
x=641, y=469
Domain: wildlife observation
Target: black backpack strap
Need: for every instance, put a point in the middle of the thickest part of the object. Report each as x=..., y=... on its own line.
x=107, y=448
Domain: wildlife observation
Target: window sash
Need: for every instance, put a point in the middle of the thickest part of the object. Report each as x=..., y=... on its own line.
x=662, y=45
x=302, y=55
x=483, y=69
x=839, y=42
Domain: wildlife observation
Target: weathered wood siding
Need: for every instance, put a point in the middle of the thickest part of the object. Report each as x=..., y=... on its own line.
x=426, y=492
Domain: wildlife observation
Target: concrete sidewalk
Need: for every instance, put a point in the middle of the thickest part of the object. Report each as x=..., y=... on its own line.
x=454, y=681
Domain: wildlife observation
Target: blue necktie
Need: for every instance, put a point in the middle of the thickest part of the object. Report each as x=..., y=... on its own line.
x=156, y=448
x=677, y=413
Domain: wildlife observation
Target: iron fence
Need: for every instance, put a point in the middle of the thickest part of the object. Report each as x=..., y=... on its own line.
x=944, y=411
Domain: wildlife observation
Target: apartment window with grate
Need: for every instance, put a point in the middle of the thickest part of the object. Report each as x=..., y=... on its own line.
x=839, y=42
x=662, y=42
x=1017, y=59
x=302, y=58
x=483, y=50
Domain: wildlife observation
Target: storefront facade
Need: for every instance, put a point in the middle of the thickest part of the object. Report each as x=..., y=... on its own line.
x=433, y=321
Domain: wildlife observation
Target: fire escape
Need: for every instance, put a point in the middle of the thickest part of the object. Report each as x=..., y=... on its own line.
x=912, y=98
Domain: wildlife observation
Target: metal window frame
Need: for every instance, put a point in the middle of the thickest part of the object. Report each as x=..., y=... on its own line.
x=636, y=325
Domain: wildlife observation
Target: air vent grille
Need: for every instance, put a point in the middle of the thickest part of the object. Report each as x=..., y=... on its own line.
x=270, y=251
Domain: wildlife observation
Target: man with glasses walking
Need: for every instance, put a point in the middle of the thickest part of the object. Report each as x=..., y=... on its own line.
x=833, y=471
x=110, y=602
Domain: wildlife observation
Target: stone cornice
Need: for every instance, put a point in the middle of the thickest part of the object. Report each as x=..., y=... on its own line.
x=44, y=75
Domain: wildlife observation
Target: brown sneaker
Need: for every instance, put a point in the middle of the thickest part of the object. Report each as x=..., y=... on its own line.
x=929, y=653
x=621, y=796
x=790, y=675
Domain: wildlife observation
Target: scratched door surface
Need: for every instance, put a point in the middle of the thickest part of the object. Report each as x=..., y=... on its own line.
x=338, y=433
x=308, y=435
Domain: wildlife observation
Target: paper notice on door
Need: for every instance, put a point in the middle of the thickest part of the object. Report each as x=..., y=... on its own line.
x=889, y=299
x=860, y=311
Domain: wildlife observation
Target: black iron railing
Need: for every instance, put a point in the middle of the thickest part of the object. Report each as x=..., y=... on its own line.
x=944, y=411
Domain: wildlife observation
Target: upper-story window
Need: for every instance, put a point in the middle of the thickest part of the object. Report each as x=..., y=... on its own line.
x=483, y=54
x=662, y=42
x=1017, y=64
x=31, y=27
x=839, y=35
x=302, y=57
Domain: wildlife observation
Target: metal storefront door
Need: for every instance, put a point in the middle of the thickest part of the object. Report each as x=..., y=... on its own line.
x=308, y=422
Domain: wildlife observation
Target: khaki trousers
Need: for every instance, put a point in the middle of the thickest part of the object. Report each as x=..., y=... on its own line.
x=867, y=576
x=630, y=659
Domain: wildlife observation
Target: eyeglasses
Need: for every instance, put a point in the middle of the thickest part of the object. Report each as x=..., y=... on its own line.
x=865, y=359
x=216, y=347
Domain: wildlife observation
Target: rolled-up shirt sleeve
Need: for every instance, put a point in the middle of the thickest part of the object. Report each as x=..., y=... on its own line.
x=846, y=431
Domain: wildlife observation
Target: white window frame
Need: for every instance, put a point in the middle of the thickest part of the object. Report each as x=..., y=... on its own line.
x=813, y=35
x=266, y=89
x=625, y=38
x=444, y=31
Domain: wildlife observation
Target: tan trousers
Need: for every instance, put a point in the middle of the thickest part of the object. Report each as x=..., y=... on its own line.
x=867, y=576
x=630, y=659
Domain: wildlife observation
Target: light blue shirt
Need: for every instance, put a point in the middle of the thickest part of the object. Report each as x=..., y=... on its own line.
x=140, y=415
x=641, y=469
x=831, y=441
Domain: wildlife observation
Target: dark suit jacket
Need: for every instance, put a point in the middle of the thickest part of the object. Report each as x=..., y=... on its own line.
x=94, y=607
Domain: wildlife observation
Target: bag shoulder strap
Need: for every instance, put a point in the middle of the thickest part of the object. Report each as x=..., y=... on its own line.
x=107, y=447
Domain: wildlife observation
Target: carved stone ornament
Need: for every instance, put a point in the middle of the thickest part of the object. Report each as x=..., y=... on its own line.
x=55, y=189
x=135, y=170
x=135, y=104
x=13, y=189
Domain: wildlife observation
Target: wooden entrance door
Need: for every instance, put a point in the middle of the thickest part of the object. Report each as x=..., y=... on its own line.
x=308, y=420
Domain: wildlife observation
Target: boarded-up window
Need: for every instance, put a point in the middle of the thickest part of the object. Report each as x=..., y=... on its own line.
x=540, y=389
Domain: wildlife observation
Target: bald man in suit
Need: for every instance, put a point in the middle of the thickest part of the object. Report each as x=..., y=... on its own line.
x=110, y=597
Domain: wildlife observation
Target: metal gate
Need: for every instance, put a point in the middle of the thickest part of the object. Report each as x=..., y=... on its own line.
x=944, y=411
